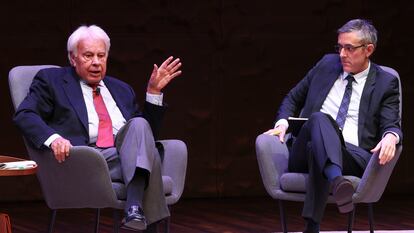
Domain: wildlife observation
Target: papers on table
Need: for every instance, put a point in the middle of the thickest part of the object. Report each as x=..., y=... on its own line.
x=19, y=165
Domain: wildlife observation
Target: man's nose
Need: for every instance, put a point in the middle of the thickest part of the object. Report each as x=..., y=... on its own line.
x=342, y=52
x=95, y=60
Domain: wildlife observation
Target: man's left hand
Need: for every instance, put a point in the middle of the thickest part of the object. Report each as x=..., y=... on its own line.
x=162, y=75
x=386, y=148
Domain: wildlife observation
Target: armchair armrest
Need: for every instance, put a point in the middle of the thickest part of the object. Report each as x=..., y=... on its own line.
x=272, y=157
x=375, y=179
x=82, y=181
x=175, y=166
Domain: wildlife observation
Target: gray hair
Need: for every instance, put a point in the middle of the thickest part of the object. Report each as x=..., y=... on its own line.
x=364, y=28
x=83, y=32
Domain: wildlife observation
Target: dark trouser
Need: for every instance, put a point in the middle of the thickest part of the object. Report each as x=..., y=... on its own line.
x=318, y=144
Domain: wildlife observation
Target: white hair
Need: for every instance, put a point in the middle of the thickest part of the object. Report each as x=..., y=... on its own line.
x=83, y=32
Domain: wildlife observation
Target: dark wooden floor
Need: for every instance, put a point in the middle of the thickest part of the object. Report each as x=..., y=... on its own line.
x=241, y=215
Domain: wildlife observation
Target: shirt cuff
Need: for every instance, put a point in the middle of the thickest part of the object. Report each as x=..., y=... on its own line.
x=155, y=99
x=51, y=139
x=282, y=122
x=398, y=136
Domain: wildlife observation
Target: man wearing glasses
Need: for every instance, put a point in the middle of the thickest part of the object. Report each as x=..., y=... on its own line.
x=352, y=107
x=81, y=105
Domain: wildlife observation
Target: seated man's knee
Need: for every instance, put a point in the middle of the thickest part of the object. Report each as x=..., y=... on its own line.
x=317, y=116
x=139, y=123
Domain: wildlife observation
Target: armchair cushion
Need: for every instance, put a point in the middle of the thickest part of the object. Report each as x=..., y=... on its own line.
x=120, y=190
x=168, y=185
x=296, y=182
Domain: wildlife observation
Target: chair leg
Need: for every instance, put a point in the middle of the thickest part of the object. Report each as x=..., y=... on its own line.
x=52, y=220
x=116, y=221
x=167, y=225
x=98, y=213
x=151, y=228
x=351, y=218
x=282, y=216
x=371, y=217
x=167, y=222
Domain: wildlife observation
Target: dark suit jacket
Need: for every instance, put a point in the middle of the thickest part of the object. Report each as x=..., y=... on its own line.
x=378, y=110
x=55, y=104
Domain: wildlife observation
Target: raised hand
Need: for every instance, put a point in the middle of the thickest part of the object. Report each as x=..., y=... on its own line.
x=162, y=75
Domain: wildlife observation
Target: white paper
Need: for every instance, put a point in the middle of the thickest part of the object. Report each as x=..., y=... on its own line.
x=26, y=164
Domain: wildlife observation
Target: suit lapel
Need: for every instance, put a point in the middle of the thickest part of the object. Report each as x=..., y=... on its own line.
x=366, y=99
x=73, y=91
x=115, y=92
x=325, y=85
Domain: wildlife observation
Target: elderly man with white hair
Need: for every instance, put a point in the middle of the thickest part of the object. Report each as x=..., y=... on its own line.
x=81, y=105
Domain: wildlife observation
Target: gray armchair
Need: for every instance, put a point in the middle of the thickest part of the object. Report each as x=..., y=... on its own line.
x=283, y=185
x=64, y=186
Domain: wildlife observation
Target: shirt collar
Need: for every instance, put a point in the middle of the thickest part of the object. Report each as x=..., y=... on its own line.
x=360, y=76
x=100, y=84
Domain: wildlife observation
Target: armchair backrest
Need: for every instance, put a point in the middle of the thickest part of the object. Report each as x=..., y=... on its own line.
x=395, y=73
x=20, y=79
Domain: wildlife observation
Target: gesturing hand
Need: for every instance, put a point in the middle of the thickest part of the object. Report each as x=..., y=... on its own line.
x=162, y=75
x=60, y=148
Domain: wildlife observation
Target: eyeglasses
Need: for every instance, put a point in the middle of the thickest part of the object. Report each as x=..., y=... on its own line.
x=348, y=48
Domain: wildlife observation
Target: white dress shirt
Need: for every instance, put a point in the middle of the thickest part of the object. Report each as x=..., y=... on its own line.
x=117, y=118
x=333, y=102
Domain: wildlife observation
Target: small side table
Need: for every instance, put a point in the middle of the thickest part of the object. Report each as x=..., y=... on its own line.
x=15, y=172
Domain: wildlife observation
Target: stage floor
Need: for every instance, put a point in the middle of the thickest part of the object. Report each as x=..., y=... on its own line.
x=225, y=215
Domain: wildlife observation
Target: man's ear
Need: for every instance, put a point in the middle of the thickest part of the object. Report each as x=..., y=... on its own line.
x=72, y=59
x=370, y=49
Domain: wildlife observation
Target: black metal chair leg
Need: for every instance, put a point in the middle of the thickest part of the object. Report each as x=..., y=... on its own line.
x=116, y=221
x=371, y=217
x=52, y=220
x=167, y=222
x=98, y=213
x=282, y=216
x=167, y=225
x=351, y=218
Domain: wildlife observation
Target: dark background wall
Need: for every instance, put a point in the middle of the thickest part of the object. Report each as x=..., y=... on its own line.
x=240, y=59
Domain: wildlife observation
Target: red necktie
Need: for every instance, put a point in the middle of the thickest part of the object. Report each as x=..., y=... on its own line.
x=105, y=133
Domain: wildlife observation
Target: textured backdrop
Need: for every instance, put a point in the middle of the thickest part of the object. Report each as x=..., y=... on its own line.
x=239, y=59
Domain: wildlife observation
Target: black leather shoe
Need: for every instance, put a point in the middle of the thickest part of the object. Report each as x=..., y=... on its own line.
x=311, y=226
x=135, y=219
x=342, y=192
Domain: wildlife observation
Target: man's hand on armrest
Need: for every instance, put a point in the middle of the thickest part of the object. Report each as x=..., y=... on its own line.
x=60, y=148
x=386, y=148
x=279, y=130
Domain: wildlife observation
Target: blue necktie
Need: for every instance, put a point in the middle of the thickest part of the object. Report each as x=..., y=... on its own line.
x=343, y=109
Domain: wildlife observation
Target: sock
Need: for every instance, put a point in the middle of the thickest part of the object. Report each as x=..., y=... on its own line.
x=331, y=171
